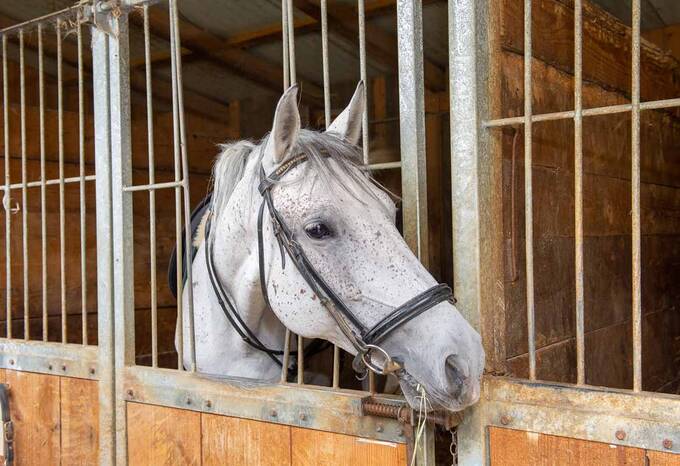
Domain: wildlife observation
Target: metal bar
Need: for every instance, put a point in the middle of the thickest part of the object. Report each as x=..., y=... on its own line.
x=53, y=182
x=177, y=66
x=81, y=162
x=123, y=241
x=597, y=111
x=300, y=360
x=578, y=190
x=635, y=200
x=104, y=225
x=336, y=366
x=286, y=357
x=154, y=186
x=62, y=210
x=7, y=200
x=361, y=13
x=49, y=358
x=284, y=44
x=178, y=204
x=290, y=19
x=41, y=19
x=528, y=191
x=412, y=127
x=585, y=413
x=325, y=64
x=43, y=193
x=321, y=408
x=24, y=192
x=382, y=166
x=152, y=192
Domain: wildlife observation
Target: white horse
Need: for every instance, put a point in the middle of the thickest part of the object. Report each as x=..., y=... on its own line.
x=345, y=224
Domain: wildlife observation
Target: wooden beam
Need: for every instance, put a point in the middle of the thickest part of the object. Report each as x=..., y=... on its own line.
x=205, y=45
x=666, y=38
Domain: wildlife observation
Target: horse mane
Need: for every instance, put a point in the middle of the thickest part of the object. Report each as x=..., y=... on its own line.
x=321, y=149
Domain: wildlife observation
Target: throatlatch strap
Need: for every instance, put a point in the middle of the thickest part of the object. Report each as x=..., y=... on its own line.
x=7, y=426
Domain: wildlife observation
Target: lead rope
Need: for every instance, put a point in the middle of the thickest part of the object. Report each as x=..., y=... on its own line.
x=422, y=422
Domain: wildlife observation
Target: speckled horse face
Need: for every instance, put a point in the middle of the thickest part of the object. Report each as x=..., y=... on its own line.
x=346, y=226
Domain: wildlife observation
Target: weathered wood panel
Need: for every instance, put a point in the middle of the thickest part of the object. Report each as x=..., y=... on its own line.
x=657, y=458
x=514, y=447
x=79, y=421
x=313, y=447
x=240, y=442
x=35, y=412
x=163, y=436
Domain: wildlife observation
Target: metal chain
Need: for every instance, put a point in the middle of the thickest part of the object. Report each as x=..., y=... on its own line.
x=453, y=447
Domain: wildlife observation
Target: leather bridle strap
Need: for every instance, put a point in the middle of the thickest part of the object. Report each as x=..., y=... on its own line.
x=363, y=339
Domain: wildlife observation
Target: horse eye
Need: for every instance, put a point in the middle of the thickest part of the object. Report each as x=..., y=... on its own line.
x=318, y=231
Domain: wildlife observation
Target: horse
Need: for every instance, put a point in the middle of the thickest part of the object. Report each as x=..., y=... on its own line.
x=299, y=236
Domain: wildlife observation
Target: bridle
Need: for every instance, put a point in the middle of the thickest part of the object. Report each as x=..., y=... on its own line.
x=364, y=339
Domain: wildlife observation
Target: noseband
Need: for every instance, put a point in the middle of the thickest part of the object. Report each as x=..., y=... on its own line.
x=364, y=339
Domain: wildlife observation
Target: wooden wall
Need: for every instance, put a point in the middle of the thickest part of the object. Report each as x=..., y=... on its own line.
x=514, y=447
x=607, y=191
x=169, y=436
x=56, y=419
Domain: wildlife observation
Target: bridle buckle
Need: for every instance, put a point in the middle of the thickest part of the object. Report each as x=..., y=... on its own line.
x=388, y=366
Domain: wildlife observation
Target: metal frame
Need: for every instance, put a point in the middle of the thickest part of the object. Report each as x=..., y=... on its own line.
x=620, y=417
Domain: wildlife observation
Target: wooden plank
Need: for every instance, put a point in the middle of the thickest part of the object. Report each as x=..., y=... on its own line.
x=233, y=441
x=513, y=447
x=313, y=447
x=163, y=436
x=34, y=399
x=658, y=458
x=79, y=421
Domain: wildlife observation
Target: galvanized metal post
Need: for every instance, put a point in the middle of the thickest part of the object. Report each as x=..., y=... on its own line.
x=105, y=308
x=472, y=178
x=412, y=126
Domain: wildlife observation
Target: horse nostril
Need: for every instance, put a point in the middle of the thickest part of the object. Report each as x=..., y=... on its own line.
x=457, y=370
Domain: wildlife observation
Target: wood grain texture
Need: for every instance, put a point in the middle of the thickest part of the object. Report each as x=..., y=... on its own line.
x=34, y=399
x=313, y=447
x=163, y=436
x=659, y=458
x=514, y=447
x=79, y=421
x=239, y=442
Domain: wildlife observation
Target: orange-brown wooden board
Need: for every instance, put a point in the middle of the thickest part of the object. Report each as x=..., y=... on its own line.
x=79, y=421
x=515, y=447
x=239, y=442
x=658, y=458
x=163, y=436
x=313, y=447
x=34, y=401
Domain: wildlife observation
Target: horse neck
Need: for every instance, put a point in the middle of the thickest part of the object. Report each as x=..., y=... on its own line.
x=219, y=348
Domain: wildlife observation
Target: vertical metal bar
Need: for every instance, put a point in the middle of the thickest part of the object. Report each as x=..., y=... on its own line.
x=327, y=122
x=284, y=44
x=178, y=104
x=300, y=360
x=43, y=177
x=123, y=244
x=635, y=201
x=62, y=215
x=24, y=180
x=178, y=208
x=290, y=19
x=81, y=162
x=361, y=10
x=528, y=193
x=105, y=276
x=152, y=192
x=412, y=126
x=286, y=357
x=7, y=198
x=578, y=190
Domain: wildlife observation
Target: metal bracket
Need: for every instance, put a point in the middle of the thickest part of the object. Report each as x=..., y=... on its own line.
x=7, y=437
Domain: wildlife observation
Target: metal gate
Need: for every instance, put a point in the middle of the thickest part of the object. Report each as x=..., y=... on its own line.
x=633, y=417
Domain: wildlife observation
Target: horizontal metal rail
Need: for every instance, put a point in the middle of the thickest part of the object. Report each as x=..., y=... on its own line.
x=42, y=19
x=54, y=182
x=614, y=416
x=312, y=407
x=71, y=360
x=154, y=186
x=595, y=111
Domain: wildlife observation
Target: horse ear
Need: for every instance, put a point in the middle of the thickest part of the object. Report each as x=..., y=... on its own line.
x=348, y=124
x=286, y=127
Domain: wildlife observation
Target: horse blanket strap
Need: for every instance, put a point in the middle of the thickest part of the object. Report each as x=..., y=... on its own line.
x=7, y=426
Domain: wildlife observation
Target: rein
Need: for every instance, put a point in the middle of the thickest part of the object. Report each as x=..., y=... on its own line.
x=364, y=339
